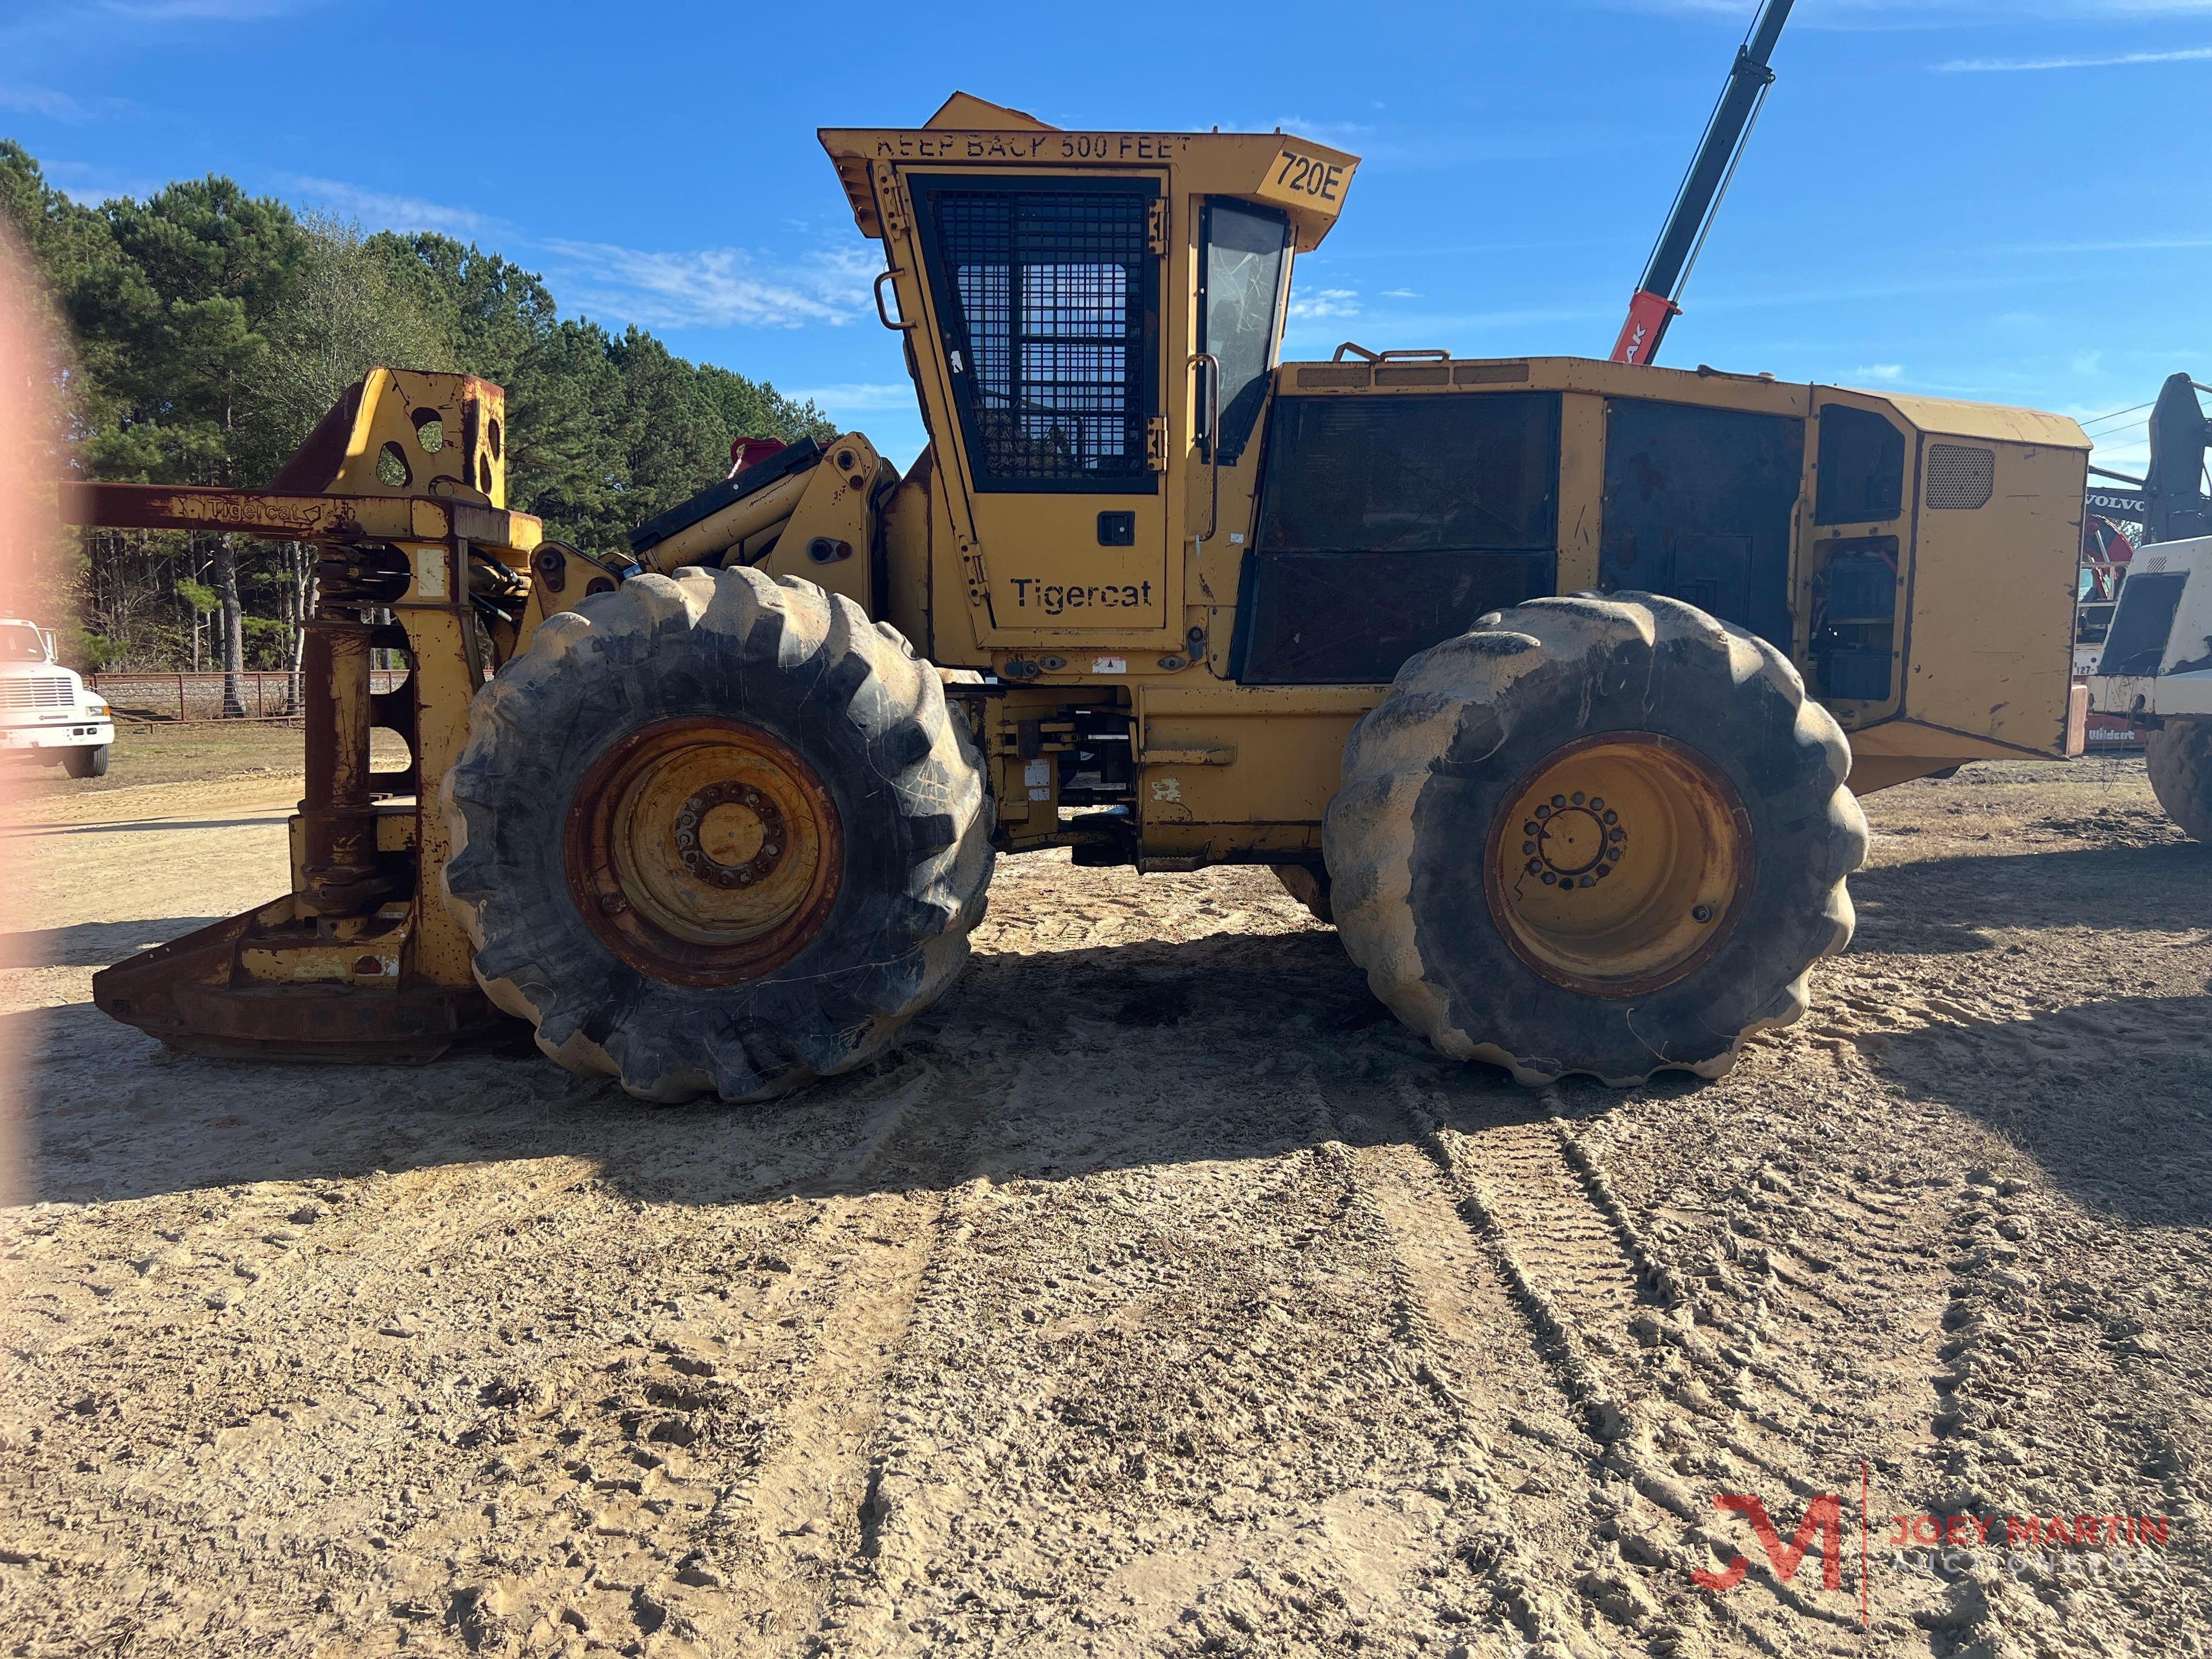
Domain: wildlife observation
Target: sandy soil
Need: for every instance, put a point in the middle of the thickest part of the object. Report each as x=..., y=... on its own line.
x=1160, y=1295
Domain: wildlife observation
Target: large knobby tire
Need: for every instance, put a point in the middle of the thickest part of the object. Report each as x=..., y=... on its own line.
x=1309, y=885
x=2178, y=756
x=1466, y=845
x=717, y=834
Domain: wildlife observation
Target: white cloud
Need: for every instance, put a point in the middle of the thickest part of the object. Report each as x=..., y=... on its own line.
x=860, y=395
x=380, y=210
x=1327, y=302
x=716, y=287
x=2015, y=65
x=41, y=100
x=1934, y=12
x=1894, y=16
x=1879, y=371
x=201, y=11
x=1398, y=293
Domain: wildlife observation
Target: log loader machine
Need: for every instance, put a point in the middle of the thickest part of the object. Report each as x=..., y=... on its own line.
x=1549, y=681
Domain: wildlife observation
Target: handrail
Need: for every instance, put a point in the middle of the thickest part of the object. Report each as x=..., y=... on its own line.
x=1212, y=364
x=1397, y=354
x=882, y=313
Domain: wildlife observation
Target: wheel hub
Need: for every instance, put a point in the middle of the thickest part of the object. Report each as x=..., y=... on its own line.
x=1618, y=863
x=730, y=835
x=1575, y=839
x=703, y=851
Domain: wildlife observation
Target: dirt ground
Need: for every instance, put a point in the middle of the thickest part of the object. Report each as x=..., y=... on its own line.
x=1160, y=1295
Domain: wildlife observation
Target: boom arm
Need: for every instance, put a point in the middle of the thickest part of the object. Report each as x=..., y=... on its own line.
x=1653, y=305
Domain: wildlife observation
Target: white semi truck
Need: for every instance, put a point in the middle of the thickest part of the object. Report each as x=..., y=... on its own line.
x=2156, y=669
x=47, y=712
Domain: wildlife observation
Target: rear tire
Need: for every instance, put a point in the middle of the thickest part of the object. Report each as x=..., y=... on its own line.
x=1309, y=884
x=85, y=762
x=717, y=834
x=2179, y=757
x=1509, y=912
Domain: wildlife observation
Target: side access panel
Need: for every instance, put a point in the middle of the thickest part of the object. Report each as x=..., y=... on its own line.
x=1700, y=505
x=1997, y=567
x=1389, y=523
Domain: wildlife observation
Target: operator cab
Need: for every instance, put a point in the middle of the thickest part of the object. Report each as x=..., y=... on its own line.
x=1091, y=318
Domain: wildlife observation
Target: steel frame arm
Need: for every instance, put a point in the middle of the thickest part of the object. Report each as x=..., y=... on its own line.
x=1653, y=304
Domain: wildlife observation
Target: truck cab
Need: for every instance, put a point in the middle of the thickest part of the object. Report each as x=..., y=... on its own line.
x=47, y=713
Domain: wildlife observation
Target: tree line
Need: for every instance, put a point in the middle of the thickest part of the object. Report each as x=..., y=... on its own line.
x=203, y=330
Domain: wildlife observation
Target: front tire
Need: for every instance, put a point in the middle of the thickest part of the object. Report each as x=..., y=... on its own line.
x=85, y=762
x=717, y=834
x=1597, y=835
x=2179, y=757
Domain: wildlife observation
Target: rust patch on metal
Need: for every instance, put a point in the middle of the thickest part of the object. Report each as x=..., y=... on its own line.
x=703, y=851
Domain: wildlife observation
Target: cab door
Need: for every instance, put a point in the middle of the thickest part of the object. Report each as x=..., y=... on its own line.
x=1046, y=319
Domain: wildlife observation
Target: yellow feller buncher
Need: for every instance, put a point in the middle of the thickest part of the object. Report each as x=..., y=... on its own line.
x=1549, y=681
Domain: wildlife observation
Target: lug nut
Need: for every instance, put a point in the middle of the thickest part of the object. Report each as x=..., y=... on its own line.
x=1702, y=912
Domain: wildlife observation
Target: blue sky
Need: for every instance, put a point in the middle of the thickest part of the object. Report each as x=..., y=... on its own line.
x=1999, y=199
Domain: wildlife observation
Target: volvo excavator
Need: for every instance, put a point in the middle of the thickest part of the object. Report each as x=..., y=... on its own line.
x=1550, y=682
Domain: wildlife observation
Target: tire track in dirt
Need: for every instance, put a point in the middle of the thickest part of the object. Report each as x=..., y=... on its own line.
x=570, y=1451
x=1809, y=1262
x=1454, y=1307
x=1610, y=1319
x=813, y=1496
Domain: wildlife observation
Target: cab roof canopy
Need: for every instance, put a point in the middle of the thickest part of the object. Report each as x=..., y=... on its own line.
x=1307, y=181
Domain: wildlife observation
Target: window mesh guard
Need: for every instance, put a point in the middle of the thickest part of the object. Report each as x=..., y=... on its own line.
x=1049, y=290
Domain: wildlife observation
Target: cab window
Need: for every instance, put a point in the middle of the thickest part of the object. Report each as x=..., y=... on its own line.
x=1047, y=293
x=1241, y=289
x=21, y=644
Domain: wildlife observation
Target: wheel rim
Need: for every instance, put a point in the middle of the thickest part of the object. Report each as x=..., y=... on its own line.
x=1619, y=864
x=703, y=851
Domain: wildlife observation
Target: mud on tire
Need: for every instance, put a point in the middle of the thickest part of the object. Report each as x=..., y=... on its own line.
x=1430, y=773
x=902, y=871
x=2179, y=757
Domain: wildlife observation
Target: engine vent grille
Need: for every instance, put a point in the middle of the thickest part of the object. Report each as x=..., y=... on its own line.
x=1960, y=477
x=40, y=691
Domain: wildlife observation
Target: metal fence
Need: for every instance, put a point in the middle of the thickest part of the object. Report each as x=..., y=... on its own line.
x=255, y=696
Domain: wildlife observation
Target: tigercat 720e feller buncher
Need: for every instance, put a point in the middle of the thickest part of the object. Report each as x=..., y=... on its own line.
x=1541, y=677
